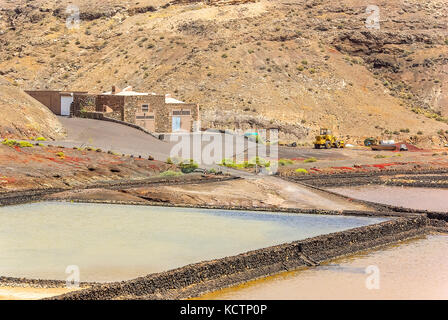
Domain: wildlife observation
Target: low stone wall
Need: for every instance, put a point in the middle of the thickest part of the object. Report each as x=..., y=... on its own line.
x=27, y=196
x=197, y=279
x=101, y=116
x=347, y=179
x=83, y=103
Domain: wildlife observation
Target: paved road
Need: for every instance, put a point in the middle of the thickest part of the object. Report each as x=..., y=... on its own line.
x=112, y=136
x=123, y=139
x=127, y=140
x=328, y=154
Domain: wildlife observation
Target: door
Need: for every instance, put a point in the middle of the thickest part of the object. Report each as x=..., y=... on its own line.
x=66, y=102
x=146, y=121
x=176, y=124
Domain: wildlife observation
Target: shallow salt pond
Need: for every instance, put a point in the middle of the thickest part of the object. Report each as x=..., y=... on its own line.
x=413, y=269
x=409, y=197
x=118, y=242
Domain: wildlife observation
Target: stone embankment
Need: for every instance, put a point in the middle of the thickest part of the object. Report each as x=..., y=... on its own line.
x=197, y=279
x=432, y=178
x=32, y=195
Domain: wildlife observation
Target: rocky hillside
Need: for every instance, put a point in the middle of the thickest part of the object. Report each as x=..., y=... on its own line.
x=293, y=64
x=23, y=117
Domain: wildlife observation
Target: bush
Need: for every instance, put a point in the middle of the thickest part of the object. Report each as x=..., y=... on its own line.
x=169, y=161
x=301, y=171
x=41, y=139
x=310, y=160
x=285, y=162
x=171, y=173
x=10, y=143
x=228, y=163
x=61, y=155
x=259, y=162
x=14, y=143
x=380, y=156
x=188, y=166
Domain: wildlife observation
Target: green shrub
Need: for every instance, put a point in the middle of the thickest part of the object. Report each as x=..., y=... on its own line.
x=169, y=161
x=61, y=155
x=228, y=163
x=10, y=143
x=171, y=173
x=380, y=156
x=259, y=162
x=312, y=159
x=301, y=171
x=285, y=162
x=41, y=139
x=188, y=166
x=14, y=143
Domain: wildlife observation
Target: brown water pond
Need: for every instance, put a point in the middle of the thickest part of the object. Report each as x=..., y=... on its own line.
x=409, y=197
x=414, y=269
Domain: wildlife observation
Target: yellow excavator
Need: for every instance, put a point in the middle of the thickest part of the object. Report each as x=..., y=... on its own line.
x=327, y=140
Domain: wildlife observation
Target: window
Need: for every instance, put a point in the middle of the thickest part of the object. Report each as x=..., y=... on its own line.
x=181, y=112
x=145, y=108
x=145, y=117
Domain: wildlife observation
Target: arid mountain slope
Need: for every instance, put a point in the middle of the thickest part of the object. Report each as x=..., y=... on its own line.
x=24, y=117
x=292, y=64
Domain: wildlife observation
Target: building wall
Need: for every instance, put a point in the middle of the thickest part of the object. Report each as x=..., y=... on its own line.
x=51, y=99
x=116, y=103
x=83, y=103
x=129, y=108
x=133, y=106
x=186, y=120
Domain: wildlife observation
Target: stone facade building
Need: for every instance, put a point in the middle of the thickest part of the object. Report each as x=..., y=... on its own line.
x=153, y=112
x=59, y=102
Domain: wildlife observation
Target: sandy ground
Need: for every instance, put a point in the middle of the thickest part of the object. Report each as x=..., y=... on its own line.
x=29, y=293
x=270, y=192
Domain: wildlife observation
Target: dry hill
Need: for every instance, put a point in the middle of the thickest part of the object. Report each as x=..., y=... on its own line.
x=24, y=117
x=293, y=64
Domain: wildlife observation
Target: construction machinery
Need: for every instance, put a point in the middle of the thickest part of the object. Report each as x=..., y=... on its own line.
x=327, y=140
x=370, y=142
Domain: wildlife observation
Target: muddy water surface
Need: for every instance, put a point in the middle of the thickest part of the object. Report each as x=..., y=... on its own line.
x=118, y=242
x=415, y=198
x=414, y=269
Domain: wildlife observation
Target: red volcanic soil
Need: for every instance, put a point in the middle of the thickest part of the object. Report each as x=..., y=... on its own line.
x=58, y=167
